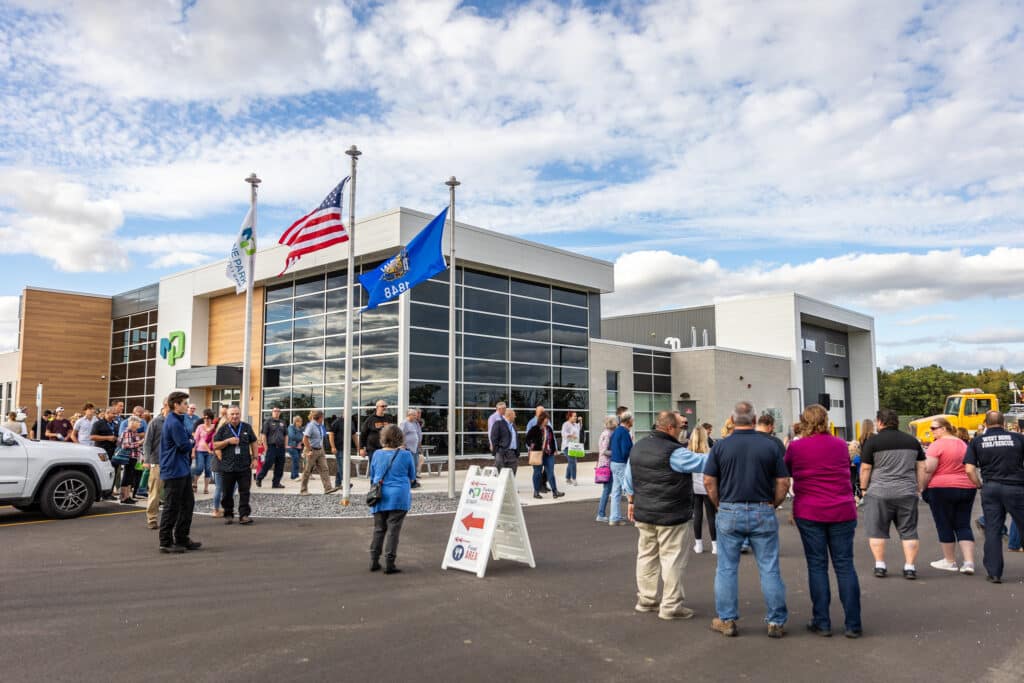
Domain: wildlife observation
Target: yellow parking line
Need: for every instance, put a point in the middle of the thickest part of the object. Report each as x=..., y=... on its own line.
x=47, y=521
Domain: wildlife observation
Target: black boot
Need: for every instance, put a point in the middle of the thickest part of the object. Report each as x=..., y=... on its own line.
x=390, y=568
x=374, y=564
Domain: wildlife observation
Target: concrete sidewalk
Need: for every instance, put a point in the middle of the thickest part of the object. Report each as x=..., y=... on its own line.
x=434, y=483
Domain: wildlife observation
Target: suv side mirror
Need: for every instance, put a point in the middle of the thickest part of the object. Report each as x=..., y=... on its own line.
x=9, y=440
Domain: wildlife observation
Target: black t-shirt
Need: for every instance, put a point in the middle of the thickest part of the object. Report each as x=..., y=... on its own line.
x=999, y=455
x=103, y=428
x=276, y=431
x=369, y=436
x=746, y=464
x=235, y=458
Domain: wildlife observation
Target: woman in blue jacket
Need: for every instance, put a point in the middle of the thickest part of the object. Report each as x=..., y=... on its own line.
x=393, y=465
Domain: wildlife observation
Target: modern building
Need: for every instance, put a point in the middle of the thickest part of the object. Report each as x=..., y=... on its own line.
x=529, y=331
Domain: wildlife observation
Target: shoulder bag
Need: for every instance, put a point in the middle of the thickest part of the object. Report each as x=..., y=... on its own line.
x=376, y=493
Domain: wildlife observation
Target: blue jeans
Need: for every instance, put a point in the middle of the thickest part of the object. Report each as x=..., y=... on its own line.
x=538, y=474
x=618, y=488
x=217, y=489
x=293, y=453
x=756, y=522
x=602, y=507
x=202, y=464
x=821, y=540
x=570, y=467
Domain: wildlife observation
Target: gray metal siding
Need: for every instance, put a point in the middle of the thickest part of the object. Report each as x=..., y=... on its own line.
x=135, y=301
x=638, y=329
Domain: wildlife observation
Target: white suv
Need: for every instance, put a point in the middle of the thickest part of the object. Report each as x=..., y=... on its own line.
x=62, y=480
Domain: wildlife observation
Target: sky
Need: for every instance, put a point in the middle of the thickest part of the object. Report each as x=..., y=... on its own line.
x=866, y=153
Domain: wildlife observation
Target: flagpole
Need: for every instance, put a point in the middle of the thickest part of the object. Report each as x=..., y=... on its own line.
x=254, y=182
x=354, y=153
x=452, y=183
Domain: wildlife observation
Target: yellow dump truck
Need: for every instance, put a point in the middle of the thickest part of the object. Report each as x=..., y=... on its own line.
x=964, y=409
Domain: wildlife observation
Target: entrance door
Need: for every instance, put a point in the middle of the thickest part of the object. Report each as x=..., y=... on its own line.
x=835, y=387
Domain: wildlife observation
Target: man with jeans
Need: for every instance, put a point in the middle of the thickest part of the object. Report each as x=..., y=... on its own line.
x=999, y=455
x=176, y=475
x=660, y=476
x=746, y=478
x=621, y=445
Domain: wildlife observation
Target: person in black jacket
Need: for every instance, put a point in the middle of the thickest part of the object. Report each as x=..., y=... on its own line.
x=660, y=476
x=505, y=442
x=541, y=437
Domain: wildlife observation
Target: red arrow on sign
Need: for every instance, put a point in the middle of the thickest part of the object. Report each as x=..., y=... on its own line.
x=471, y=522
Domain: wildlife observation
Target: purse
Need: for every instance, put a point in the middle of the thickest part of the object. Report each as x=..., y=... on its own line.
x=376, y=492
x=602, y=474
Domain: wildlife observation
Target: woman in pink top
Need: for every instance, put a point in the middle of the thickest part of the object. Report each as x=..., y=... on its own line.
x=950, y=495
x=826, y=515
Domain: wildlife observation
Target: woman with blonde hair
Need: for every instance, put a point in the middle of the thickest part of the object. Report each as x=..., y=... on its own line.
x=826, y=516
x=604, y=459
x=701, y=502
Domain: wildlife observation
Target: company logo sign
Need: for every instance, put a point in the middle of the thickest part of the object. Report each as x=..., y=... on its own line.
x=172, y=347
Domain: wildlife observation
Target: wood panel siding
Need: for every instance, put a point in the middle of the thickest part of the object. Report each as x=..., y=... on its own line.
x=65, y=345
x=227, y=341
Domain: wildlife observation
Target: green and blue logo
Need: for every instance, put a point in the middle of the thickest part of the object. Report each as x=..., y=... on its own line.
x=172, y=347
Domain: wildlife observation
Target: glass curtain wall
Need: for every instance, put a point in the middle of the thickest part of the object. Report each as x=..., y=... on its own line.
x=652, y=387
x=517, y=341
x=304, y=348
x=133, y=360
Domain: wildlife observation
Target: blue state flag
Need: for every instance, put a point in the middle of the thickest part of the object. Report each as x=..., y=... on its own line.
x=421, y=259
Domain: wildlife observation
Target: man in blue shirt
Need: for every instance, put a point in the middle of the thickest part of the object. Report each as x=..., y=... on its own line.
x=176, y=476
x=746, y=478
x=621, y=445
x=660, y=476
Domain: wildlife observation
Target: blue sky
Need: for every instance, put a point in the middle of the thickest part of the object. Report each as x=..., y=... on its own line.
x=866, y=153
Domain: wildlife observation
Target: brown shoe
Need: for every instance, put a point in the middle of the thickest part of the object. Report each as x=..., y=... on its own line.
x=726, y=628
x=775, y=631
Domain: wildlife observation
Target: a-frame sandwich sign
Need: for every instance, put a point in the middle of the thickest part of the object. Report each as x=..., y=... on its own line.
x=489, y=523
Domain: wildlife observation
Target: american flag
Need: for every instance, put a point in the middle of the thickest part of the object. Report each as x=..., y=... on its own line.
x=318, y=229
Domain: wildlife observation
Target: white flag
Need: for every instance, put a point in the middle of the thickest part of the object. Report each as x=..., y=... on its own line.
x=239, y=261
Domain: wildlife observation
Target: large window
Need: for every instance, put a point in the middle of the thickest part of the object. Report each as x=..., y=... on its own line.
x=517, y=341
x=133, y=358
x=652, y=387
x=304, y=348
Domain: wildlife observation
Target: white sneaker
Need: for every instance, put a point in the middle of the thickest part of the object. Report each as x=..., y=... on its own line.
x=698, y=547
x=967, y=568
x=714, y=547
x=947, y=566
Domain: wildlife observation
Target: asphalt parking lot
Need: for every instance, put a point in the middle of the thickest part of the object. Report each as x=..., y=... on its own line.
x=293, y=600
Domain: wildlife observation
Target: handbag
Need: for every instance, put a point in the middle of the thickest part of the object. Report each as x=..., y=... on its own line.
x=602, y=474
x=121, y=457
x=376, y=492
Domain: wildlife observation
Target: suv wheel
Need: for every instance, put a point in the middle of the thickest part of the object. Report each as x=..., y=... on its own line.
x=67, y=494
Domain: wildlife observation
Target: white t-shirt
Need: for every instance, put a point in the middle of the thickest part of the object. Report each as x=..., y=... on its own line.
x=83, y=429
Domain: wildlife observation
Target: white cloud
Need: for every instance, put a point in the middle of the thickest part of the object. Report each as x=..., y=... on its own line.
x=924, y=319
x=872, y=281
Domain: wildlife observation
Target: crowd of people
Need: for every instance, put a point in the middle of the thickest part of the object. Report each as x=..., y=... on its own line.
x=674, y=476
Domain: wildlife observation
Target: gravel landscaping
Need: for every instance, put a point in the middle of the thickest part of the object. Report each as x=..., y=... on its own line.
x=267, y=505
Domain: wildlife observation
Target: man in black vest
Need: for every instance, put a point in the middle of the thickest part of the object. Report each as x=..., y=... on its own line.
x=659, y=475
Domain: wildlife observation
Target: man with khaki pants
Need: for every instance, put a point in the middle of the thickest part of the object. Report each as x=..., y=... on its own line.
x=313, y=444
x=151, y=461
x=660, y=476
